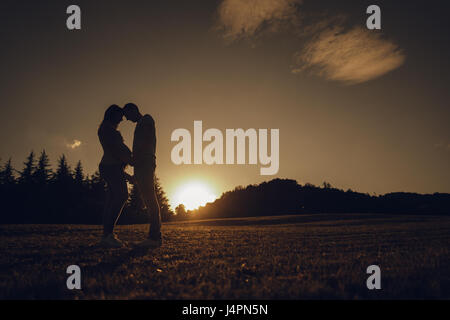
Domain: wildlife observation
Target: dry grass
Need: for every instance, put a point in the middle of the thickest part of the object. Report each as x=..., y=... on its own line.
x=289, y=257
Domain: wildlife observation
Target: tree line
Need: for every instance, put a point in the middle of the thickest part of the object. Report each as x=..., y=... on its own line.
x=286, y=196
x=37, y=194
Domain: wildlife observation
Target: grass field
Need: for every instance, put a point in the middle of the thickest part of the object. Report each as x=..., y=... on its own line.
x=287, y=257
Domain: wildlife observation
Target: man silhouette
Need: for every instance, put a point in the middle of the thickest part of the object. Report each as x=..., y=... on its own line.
x=144, y=160
x=116, y=156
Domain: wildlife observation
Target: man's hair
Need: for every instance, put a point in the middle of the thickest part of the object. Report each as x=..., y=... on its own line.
x=113, y=113
x=131, y=106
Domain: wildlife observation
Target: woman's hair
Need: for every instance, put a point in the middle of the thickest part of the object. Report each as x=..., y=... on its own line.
x=113, y=114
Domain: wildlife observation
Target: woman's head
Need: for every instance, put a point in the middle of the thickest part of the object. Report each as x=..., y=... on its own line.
x=113, y=114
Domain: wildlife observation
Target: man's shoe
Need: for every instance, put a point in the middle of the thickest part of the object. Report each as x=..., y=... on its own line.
x=110, y=241
x=150, y=243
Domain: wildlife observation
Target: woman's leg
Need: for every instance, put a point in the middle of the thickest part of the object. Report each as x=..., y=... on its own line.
x=106, y=213
x=117, y=194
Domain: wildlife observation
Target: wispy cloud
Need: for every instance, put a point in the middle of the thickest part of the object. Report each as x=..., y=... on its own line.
x=352, y=57
x=239, y=19
x=348, y=55
x=75, y=144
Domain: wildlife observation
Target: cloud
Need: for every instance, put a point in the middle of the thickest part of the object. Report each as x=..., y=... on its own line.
x=352, y=57
x=348, y=55
x=247, y=18
x=75, y=144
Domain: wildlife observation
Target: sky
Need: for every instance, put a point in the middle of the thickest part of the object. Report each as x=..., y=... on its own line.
x=361, y=109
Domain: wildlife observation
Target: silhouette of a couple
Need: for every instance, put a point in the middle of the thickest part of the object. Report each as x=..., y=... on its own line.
x=117, y=156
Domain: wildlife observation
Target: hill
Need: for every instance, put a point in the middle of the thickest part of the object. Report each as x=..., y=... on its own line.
x=285, y=196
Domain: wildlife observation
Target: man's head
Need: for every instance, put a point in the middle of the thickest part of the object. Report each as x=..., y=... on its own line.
x=131, y=112
x=114, y=114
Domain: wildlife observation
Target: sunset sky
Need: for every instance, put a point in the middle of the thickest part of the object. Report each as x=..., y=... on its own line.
x=366, y=110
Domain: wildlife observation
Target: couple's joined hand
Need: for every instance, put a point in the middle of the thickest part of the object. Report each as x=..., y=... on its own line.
x=131, y=179
x=131, y=161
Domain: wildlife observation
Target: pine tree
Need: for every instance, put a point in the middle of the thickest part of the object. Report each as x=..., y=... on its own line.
x=26, y=175
x=134, y=211
x=26, y=189
x=95, y=178
x=6, y=174
x=64, y=198
x=96, y=184
x=135, y=200
x=8, y=194
x=79, y=174
x=163, y=201
x=43, y=172
x=97, y=187
x=63, y=172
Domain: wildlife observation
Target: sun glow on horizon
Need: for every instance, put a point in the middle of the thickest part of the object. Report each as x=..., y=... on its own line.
x=193, y=194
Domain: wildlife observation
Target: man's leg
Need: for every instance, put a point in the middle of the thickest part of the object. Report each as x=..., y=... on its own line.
x=146, y=185
x=154, y=211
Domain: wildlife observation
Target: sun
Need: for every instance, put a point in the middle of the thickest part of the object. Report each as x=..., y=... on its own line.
x=193, y=194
